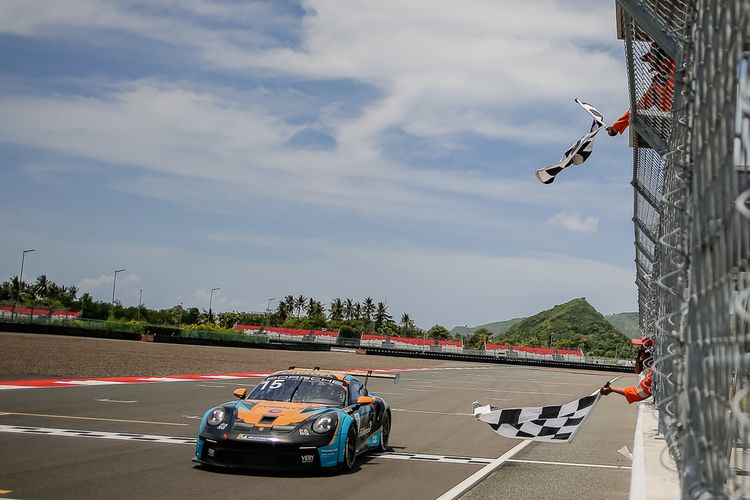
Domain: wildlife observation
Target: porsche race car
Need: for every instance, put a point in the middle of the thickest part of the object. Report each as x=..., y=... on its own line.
x=301, y=417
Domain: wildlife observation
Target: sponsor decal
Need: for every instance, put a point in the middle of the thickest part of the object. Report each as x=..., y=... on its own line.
x=250, y=437
x=211, y=452
x=365, y=430
x=223, y=426
x=276, y=411
x=307, y=459
x=304, y=432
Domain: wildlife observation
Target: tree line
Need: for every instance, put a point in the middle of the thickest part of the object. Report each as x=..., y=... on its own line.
x=350, y=317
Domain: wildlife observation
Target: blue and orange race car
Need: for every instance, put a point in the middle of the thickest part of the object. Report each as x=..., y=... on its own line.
x=301, y=417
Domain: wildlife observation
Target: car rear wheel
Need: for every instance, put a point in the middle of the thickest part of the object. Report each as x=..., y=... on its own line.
x=385, y=433
x=350, y=449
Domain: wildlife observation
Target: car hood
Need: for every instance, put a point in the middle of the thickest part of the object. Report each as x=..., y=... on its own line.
x=270, y=413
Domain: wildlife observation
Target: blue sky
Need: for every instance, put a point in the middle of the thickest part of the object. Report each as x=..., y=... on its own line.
x=323, y=148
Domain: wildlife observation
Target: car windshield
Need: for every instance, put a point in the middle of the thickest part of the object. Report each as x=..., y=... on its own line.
x=300, y=389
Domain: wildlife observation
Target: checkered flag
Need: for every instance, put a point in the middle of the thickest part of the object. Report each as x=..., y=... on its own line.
x=578, y=152
x=555, y=424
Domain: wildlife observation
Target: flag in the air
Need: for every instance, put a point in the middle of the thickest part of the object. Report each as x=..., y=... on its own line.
x=554, y=424
x=579, y=152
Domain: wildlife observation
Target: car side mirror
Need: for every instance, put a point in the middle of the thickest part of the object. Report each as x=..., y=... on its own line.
x=240, y=393
x=365, y=400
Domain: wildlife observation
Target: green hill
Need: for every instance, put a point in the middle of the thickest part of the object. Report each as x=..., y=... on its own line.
x=627, y=323
x=569, y=326
x=496, y=327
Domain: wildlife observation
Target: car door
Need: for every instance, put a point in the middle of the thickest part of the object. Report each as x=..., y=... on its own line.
x=362, y=414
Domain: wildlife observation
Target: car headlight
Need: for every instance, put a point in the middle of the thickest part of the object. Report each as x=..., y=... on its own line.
x=324, y=423
x=216, y=416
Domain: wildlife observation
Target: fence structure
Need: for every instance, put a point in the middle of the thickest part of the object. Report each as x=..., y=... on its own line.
x=689, y=82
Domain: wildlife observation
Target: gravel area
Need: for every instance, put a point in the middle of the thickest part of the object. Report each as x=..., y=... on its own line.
x=24, y=356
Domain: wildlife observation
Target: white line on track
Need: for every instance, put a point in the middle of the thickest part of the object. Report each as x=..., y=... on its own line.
x=392, y=393
x=416, y=390
x=470, y=481
x=104, y=400
x=100, y=419
x=571, y=464
x=206, y=385
x=500, y=390
x=433, y=412
x=120, y=436
x=424, y=457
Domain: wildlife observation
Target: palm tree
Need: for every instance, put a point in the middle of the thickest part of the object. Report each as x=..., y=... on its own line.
x=72, y=292
x=282, y=311
x=310, y=307
x=299, y=304
x=357, y=311
x=337, y=309
x=368, y=308
x=381, y=316
x=407, y=323
x=316, y=309
x=41, y=287
x=289, y=304
x=349, y=309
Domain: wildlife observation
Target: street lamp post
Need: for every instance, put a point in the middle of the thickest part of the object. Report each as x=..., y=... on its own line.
x=140, y=303
x=114, y=286
x=180, y=324
x=20, y=279
x=210, y=301
x=268, y=310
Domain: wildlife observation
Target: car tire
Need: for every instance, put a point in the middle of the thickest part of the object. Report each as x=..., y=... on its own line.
x=385, y=432
x=350, y=449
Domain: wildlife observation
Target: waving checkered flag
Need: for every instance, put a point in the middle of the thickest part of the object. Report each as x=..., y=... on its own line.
x=555, y=424
x=578, y=152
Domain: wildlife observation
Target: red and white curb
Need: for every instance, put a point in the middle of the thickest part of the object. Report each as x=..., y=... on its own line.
x=71, y=382
x=36, y=384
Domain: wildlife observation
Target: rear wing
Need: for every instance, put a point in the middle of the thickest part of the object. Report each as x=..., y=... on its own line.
x=375, y=374
x=359, y=373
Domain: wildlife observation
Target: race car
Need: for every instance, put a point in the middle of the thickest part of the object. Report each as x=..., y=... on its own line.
x=300, y=417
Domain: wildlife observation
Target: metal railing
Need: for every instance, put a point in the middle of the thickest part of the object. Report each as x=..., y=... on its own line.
x=691, y=139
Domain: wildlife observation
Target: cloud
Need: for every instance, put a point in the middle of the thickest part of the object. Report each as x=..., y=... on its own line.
x=574, y=220
x=224, y=136
x=97, y=282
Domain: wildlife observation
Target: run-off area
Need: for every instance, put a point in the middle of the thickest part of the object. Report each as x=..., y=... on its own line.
x=134, y=441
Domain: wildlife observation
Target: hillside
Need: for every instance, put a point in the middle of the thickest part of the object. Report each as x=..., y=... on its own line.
x=570, y=325
x=495, y=328
x=626, y=322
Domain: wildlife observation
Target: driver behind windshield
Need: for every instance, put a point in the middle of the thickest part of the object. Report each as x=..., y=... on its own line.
x=299, y=390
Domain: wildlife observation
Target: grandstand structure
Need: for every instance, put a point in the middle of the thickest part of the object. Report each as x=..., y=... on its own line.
x=689, y=83
x=413, y=344
x=36, y=314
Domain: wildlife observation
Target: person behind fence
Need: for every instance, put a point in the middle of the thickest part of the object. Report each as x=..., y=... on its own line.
x=661, y=91
x=643, y=361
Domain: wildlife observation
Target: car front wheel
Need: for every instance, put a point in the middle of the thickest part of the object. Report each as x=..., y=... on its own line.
x=350, y=449
x=385, y=433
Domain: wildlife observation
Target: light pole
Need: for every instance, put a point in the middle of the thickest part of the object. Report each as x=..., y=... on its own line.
x=210, y=301
x=180, y=324
x=114, y=286
x=20, y=278
x=140, y=303
x=268, y=310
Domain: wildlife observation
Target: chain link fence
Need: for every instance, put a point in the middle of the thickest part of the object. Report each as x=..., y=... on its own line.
x=689, y=81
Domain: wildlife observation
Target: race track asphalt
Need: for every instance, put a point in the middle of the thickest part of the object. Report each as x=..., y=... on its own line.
x=431, y=416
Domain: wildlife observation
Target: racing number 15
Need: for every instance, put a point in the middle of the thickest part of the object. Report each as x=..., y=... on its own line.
x=275, y=384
